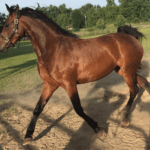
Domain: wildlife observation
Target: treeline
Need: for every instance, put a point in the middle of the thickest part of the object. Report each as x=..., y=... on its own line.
x=129, y=11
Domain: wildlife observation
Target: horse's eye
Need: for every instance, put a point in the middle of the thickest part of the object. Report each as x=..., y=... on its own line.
x=7, y=25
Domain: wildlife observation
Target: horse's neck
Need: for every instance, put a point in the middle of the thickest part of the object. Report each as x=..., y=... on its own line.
x=41, y=36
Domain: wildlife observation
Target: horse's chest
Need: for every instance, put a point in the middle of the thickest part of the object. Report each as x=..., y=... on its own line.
x=45, y=76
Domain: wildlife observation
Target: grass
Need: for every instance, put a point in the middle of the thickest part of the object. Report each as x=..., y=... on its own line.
x=18, y=67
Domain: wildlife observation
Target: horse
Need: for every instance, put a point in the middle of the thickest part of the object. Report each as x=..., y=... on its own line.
x=131, y=31
x=65, y=60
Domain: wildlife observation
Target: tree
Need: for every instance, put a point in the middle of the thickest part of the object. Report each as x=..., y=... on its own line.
x=2, y=19
x=100, y=24
x=91, y=17
x=63, y=8
x=85, y=8
x=101, y=13
x=53, y=12
x=77, y=18
x=112, y=10
x=135, y=8
x=120, y=21
x=63, y=20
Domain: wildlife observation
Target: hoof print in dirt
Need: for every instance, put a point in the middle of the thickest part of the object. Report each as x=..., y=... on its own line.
x=101, y=134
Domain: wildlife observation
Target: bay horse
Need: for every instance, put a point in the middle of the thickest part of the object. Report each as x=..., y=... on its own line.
x=65, y=60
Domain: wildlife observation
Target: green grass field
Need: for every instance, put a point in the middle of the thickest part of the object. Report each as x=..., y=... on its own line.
x=18, y=67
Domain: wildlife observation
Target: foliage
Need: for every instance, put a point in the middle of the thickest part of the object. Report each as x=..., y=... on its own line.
x=120, y=21
x=101, y=24
x=91, y=17
x=135, y=8
x=77, y=18
x=85, y=8
x=132, y=10
x=63, y=20
x=53, y=12
x=2, y=19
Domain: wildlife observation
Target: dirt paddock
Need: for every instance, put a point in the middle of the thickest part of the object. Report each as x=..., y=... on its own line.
x=60, y=128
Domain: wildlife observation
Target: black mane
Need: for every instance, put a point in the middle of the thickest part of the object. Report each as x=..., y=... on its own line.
x=40, y=15
x=1, y=28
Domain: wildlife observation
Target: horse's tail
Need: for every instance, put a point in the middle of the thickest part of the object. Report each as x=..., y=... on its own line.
x=131, y=31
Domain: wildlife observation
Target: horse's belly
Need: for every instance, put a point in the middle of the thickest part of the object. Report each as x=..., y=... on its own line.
x=95, y=71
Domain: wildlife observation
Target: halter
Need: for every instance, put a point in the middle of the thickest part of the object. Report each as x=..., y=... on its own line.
x=15, y=30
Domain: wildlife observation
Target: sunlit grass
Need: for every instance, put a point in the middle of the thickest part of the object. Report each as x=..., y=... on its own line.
x=18, y=68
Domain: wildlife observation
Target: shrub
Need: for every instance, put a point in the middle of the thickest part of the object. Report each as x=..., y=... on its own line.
x=120, y=21
x=101, y=24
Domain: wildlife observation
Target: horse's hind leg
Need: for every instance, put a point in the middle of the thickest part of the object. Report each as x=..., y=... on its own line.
x=132, y=83
x=47, y=92
x=133, y=88
x=74, y=97
x=143, y=83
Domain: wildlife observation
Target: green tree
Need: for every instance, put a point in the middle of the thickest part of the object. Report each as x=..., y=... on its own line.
x=63, y=8
x=63, y=20
x=131, y=9
x=85, y=8
x=2, y=19
x=77, y=18
x=112, y=10
x=91, y=17
x=101, y=24
x=53, y=12
x=120, y=21
x=101, y=13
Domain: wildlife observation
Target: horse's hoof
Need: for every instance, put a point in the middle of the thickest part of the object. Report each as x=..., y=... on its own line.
x=100, y=133
x=27, y=140
x=124, y=123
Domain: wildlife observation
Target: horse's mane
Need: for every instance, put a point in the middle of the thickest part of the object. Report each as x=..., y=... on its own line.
x=1, y=28
x=40, y=15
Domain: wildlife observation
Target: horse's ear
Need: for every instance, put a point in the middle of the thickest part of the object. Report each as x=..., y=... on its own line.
x=7, y=8
x=17, y=9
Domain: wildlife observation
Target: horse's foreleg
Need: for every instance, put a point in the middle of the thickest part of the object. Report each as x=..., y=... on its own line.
x=73, y=94
x=47, y=92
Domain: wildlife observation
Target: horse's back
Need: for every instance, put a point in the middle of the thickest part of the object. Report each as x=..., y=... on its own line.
x=99, y=56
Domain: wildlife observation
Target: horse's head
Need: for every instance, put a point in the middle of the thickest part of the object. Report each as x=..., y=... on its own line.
x=12, y=30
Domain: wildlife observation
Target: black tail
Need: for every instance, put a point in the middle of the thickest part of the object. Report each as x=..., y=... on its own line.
x=131, y=31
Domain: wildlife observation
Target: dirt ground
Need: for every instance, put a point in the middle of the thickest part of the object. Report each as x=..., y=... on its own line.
x=60, y=128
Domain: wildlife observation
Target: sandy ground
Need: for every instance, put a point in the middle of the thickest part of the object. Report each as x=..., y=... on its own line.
x=60, y=128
